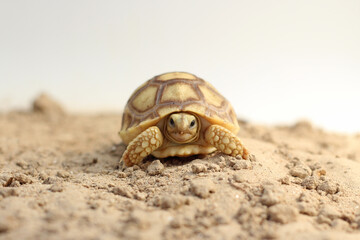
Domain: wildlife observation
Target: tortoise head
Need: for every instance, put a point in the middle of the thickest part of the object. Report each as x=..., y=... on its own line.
x=182, y=127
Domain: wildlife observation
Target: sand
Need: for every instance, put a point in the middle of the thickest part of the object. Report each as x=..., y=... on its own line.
x=60, y=179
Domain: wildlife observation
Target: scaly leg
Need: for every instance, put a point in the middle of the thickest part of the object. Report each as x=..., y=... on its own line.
x=143, y=145
x=225, y=141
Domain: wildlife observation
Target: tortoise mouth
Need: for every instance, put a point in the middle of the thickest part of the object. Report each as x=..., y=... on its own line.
x=182, y=137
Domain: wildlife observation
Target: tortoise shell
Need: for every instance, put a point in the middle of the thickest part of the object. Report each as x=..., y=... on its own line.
x=175, y=92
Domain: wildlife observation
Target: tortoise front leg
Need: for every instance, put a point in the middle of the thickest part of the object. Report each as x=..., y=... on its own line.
x=143, y=145
x=225, y=141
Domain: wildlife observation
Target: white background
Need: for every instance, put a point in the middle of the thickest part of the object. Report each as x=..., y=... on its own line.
x=276, y=61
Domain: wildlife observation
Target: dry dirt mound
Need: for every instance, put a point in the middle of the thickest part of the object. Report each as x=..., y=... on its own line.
x=44, y=104
x=60, y=179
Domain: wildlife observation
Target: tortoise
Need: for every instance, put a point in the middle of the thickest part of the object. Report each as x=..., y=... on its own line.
x=178, y=114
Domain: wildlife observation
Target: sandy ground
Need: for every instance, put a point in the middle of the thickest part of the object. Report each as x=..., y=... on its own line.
x=60, y=179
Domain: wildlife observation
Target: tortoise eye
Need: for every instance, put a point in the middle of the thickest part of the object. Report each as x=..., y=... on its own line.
x=172, y=123
x=192, y=124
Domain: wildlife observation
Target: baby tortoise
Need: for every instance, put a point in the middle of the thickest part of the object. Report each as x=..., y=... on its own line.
x=178, y=114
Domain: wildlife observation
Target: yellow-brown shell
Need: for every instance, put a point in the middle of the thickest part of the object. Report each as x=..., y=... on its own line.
x=175, y=92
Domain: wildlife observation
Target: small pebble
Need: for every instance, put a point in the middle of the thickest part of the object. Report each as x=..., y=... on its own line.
x=301, y=171
x=136, y=167
x=310, y=182
x=285, y=180
x=307, y=209
x=155, y=168
x=171, y=201
x=56, y=188
x=121, y=175
x=242, y=164
x=252, y=158
x=63, y=174
x=329, y=187
x=22, y=178
x=282, y=213
x=239, y=177
x=321, y=172
x=214, y=167
x=43, y=176
x=140, y=196
x=340, y=225
x=23, y=164
x=198, y=168
x=202, y=187
x=50, y=180
x=270, y=196
x=139, y=174
x=128, y=170
x=123, y=191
